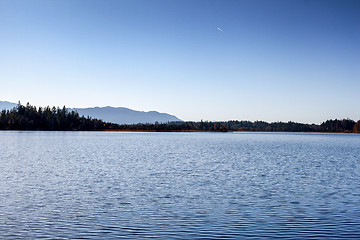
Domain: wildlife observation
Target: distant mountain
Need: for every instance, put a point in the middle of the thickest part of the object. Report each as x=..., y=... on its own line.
x=7, y=105
x=123, y=115
x=118, y=115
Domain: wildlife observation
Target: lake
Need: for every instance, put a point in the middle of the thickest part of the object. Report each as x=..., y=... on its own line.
x=105, y=185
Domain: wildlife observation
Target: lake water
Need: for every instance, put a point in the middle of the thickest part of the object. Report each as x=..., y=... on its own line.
x=105, y=185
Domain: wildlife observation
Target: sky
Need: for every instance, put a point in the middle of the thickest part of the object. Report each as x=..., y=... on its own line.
x=275, y=60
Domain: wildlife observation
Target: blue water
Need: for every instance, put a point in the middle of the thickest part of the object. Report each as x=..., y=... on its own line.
x=105, y=185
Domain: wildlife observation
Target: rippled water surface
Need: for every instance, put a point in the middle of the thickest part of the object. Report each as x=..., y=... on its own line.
x=104, y=185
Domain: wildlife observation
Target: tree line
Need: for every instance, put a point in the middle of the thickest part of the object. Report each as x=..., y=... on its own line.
x=340, y=126
x=29, y=117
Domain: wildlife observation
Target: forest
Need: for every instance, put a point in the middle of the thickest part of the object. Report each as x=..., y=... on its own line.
x=29, y=117
x=340, y=126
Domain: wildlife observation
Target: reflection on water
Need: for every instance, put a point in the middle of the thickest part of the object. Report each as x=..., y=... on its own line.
x=101, y=185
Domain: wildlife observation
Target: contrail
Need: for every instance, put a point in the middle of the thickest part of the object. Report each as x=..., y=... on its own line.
x=220, y=29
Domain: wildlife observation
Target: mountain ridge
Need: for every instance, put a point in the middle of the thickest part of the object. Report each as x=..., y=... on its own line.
x=119, y=115
x=7, y=105
x=123, y=115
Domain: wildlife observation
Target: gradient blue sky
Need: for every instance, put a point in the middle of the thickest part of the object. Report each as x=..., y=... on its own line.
x=273, y=61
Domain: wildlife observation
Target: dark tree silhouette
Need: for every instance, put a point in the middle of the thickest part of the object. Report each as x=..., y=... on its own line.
x=356, y=128
x=31, y=118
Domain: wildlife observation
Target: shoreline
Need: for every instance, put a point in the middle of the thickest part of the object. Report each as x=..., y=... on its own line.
x=161, y=131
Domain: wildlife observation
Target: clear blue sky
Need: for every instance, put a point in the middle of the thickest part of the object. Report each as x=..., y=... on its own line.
x=272, y=61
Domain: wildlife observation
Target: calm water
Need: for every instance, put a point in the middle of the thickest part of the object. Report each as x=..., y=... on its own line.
x=104, y=185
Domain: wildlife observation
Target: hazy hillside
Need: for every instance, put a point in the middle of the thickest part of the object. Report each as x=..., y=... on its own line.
x=118, y=115
x=7, y=105
x=123, y=115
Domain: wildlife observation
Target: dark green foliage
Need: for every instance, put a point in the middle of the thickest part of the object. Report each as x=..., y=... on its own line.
x=177, y=126
x=356, y=128
x=345, y=125
x=256, y=126
x=31, y=118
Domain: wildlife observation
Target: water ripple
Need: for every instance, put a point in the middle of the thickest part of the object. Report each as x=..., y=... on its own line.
x=105, y=185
